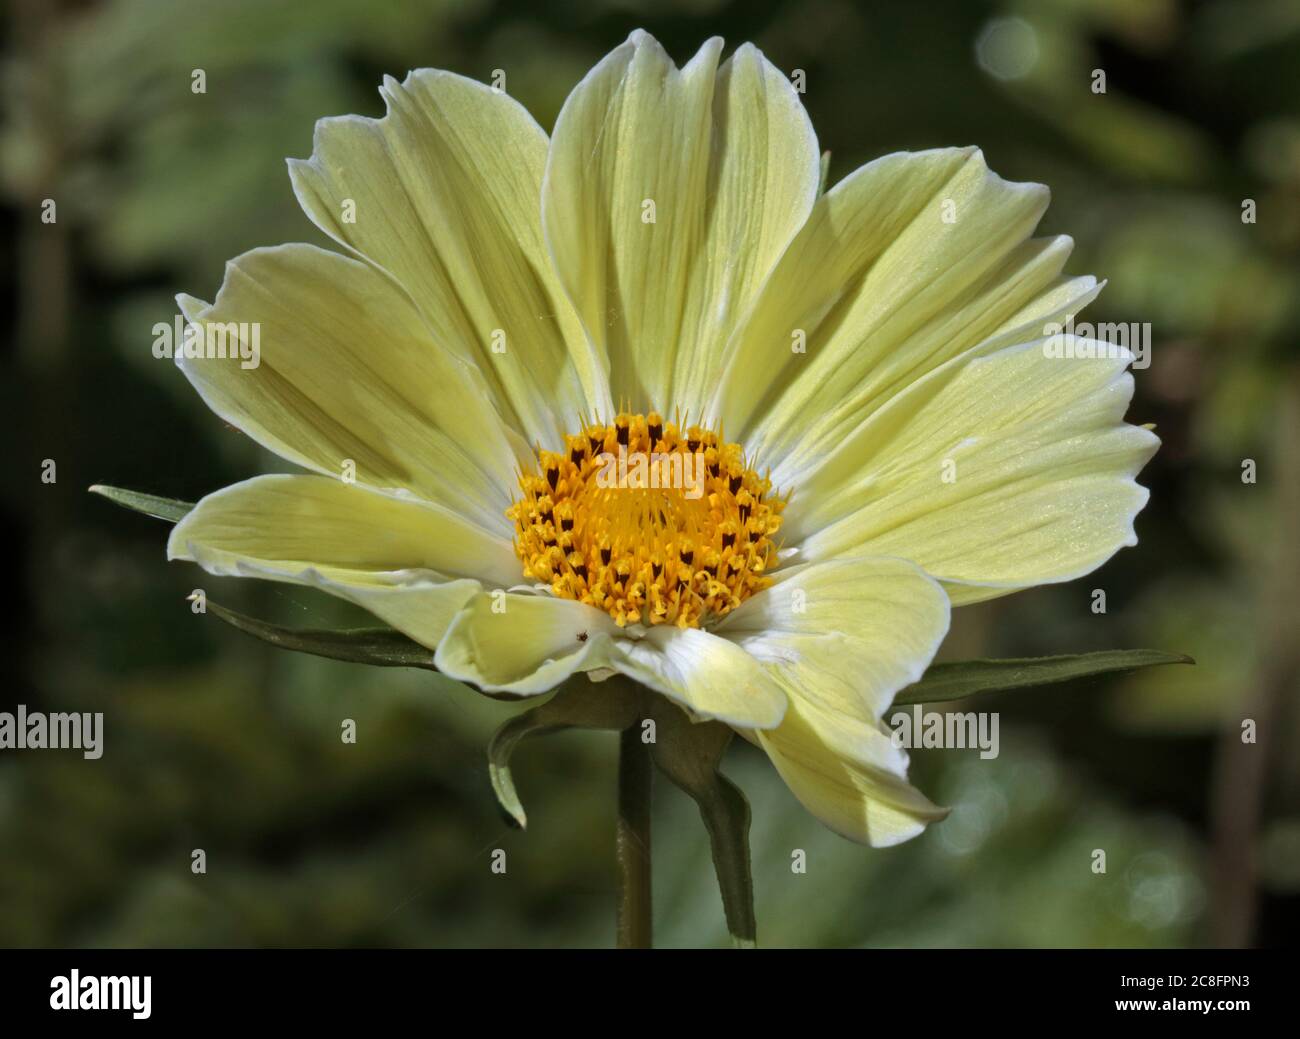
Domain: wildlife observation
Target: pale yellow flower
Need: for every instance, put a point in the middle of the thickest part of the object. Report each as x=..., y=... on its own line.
x=502, y=298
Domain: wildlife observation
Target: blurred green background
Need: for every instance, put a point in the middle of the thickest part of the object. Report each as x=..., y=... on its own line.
x=214, y=741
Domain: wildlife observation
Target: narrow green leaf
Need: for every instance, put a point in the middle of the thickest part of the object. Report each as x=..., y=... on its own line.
x=382, y=647
x=170, y=509
x=581, y=704
x=965, y=678
x=689, y=753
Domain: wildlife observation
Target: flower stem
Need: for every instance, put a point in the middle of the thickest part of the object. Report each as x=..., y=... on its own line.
x=635, y=779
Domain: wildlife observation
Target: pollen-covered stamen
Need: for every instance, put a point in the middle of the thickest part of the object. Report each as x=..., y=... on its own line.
x=649, y=522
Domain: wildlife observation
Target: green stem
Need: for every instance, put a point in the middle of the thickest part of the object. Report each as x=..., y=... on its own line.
x=635, y=779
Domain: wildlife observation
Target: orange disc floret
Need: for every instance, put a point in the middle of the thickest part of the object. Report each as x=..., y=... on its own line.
x=652, y=523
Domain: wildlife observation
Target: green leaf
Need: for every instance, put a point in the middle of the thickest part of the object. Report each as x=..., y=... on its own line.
x=689, y=753
x=581, y=704
x=170, y=509
x=965, y=678
x=383, y=647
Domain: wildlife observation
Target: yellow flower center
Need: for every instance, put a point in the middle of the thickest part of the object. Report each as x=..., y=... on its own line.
x=650, y=524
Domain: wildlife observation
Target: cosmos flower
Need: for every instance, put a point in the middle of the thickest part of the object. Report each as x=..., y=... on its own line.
x=642, y=399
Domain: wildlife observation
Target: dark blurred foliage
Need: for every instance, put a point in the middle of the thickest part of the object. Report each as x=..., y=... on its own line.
x=215, y=742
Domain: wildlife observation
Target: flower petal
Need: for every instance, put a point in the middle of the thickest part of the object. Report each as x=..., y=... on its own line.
x=411, y=564
x=911, y=260
x=346, y=370
x=711, y=676
x=993, y=473
x=529, y=644
x=727, y=158
x=851, y=777
x=444, y=194
x=846, y=634
x=524, y=644
x=842, y=637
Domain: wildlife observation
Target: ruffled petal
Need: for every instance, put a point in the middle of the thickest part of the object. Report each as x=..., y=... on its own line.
x=841, y=638
x=669, y=196
x=345, y=371
x=712, y=677
x=413, y=565
x=444, y=194
x=845, y=634
x=993, y=473
x=851, y=777
x=528, y=644
x=913, y=259
x=525, y=644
